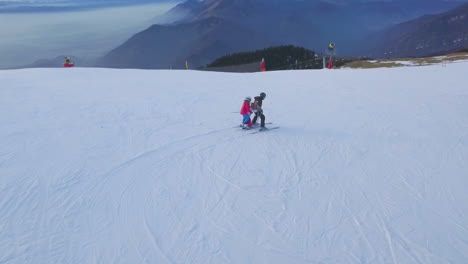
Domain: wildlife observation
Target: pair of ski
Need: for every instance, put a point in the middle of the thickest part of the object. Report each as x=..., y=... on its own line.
x=262, y=129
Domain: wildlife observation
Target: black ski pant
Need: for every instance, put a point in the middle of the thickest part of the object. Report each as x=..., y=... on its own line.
x=262, y=118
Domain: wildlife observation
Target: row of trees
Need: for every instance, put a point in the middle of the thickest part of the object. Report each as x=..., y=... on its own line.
x=277, y=58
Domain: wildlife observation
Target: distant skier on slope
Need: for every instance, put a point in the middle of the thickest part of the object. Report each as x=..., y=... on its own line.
x=257, y=108
x=68, y=63
x=246, y=112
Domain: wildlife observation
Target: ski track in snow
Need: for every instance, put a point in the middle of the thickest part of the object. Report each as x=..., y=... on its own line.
x=129, y=166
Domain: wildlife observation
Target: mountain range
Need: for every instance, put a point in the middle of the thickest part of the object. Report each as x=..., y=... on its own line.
x=200, y=31
x=427, y=35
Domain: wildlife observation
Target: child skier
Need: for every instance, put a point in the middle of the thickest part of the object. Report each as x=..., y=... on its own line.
x=246, y=112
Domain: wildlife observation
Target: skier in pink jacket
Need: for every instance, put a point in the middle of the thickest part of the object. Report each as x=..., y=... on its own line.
x=246, y=112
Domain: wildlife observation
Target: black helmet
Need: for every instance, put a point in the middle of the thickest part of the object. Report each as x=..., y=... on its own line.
x=263, y=95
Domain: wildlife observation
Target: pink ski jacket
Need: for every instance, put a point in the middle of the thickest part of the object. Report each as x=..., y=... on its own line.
x=245, y=110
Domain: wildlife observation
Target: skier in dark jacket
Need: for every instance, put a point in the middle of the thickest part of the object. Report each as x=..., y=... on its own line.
x=257, y=107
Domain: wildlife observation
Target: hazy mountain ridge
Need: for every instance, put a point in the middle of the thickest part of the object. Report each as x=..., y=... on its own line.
x=175, y=45
x=427, y=35
x=303, y=23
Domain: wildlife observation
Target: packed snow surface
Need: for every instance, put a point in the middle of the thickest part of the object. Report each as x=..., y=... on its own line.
x=134, y=166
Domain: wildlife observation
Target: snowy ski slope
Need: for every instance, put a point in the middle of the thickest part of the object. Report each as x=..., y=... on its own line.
x=135, y=166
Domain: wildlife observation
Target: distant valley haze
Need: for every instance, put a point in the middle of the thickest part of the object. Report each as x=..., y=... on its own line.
x=34, y=30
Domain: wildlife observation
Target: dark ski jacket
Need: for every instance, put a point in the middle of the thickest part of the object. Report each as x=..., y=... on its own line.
x=258, y=103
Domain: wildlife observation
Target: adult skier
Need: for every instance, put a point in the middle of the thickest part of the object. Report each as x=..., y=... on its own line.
x=257, y=108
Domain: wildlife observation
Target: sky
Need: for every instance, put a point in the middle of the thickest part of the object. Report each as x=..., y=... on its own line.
x=26, y=37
